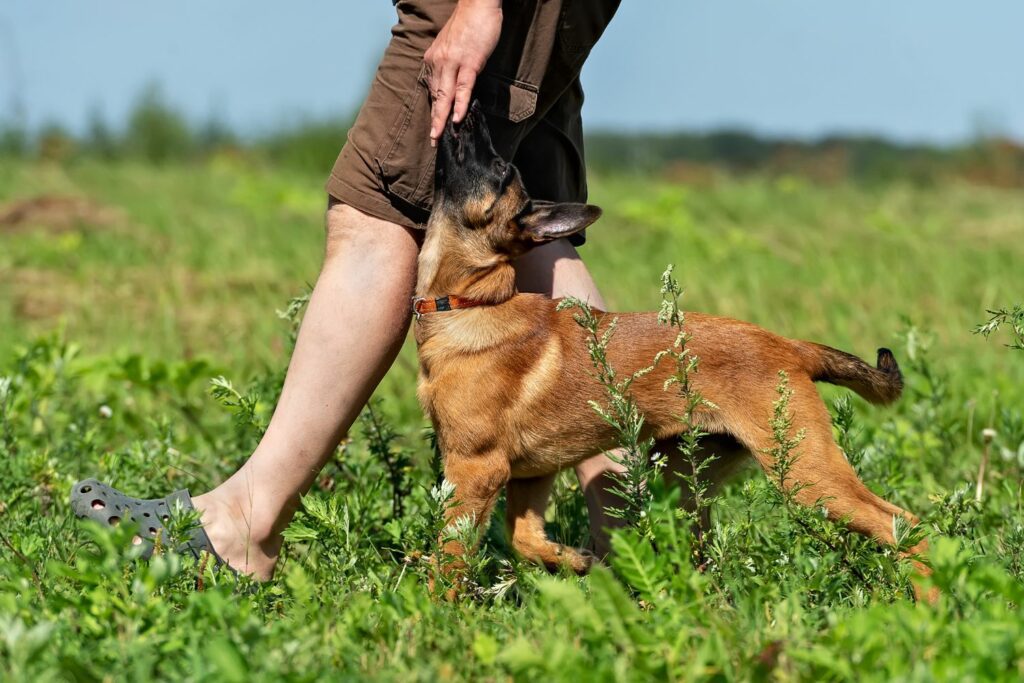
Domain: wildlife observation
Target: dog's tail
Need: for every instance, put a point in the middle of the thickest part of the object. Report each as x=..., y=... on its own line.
x=882, y=384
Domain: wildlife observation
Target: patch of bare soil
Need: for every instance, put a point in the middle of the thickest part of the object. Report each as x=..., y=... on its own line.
x=57, y=214
x=36, y=294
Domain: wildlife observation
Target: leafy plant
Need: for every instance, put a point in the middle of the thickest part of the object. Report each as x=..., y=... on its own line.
x=688, y=445
x=1010, y=318
x=634, y=484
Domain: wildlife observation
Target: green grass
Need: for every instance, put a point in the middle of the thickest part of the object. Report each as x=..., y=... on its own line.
x=174, y=277
x=194, y=259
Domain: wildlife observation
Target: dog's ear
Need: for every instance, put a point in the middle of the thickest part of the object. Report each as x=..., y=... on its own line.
x=550, y=221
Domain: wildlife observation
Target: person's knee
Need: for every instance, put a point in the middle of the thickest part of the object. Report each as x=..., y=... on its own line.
x=347, y=228
x=344, y=228
x=556, y=270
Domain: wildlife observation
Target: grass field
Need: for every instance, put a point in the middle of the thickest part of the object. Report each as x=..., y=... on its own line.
x=117, y=308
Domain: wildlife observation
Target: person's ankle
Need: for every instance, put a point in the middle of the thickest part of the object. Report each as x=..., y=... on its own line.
x=243, y=535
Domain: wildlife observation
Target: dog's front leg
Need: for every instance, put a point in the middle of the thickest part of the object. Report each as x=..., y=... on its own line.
x=478, y=479
x=526, y=501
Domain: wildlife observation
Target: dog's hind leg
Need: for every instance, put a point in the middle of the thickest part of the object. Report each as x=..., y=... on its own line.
x=822, y=476
x=524, y=519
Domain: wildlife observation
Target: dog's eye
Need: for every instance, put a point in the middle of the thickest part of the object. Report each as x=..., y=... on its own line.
x=507, y=176
x=489, y=213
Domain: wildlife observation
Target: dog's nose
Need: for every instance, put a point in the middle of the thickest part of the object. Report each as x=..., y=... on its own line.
x=467, y=141
x=472, y=120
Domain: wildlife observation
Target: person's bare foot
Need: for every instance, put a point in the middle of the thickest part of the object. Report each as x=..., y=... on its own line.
x=239, y=538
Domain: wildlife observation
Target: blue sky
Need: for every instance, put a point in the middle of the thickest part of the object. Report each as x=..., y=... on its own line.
x=935, y=70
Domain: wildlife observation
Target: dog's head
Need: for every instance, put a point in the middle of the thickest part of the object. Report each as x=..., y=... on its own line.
x=481, y=205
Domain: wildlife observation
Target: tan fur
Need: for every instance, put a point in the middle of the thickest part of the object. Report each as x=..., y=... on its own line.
x=507, y=386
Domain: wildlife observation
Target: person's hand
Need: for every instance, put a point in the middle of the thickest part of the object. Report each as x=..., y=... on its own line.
x=457, y=55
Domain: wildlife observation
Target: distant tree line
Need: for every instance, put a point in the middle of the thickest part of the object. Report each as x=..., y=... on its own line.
x=698, y=156
x=156, y=132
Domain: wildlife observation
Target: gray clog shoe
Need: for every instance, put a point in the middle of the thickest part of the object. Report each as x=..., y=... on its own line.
x=92, y=499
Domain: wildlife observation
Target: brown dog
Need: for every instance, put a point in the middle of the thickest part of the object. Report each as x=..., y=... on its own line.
x=506, y=378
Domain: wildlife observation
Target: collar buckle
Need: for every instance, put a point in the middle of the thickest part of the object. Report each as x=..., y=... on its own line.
x=422, y=304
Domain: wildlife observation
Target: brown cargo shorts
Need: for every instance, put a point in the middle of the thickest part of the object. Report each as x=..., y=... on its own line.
x=530, y=91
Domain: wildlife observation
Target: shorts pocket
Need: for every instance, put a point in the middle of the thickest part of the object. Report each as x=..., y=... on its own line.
x=506, y=97
x=405, y=159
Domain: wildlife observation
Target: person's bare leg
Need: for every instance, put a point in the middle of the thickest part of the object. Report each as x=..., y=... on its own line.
x=354, y=326
x=557, y=270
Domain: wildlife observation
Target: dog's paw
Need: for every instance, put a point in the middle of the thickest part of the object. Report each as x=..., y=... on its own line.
x=579, y=560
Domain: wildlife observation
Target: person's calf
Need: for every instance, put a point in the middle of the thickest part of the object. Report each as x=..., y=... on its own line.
x=596, y=477
x=355, y=323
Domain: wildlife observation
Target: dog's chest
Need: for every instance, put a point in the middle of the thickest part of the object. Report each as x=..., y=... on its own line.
x=497, y=396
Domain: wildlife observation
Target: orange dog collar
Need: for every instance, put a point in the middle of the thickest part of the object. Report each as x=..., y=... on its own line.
x=421, y=305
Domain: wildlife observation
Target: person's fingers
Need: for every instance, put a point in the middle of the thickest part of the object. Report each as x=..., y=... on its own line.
x=463, y=92
x=442, y=90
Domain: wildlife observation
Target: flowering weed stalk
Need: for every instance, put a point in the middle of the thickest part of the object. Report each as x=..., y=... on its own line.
x=634, y=484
